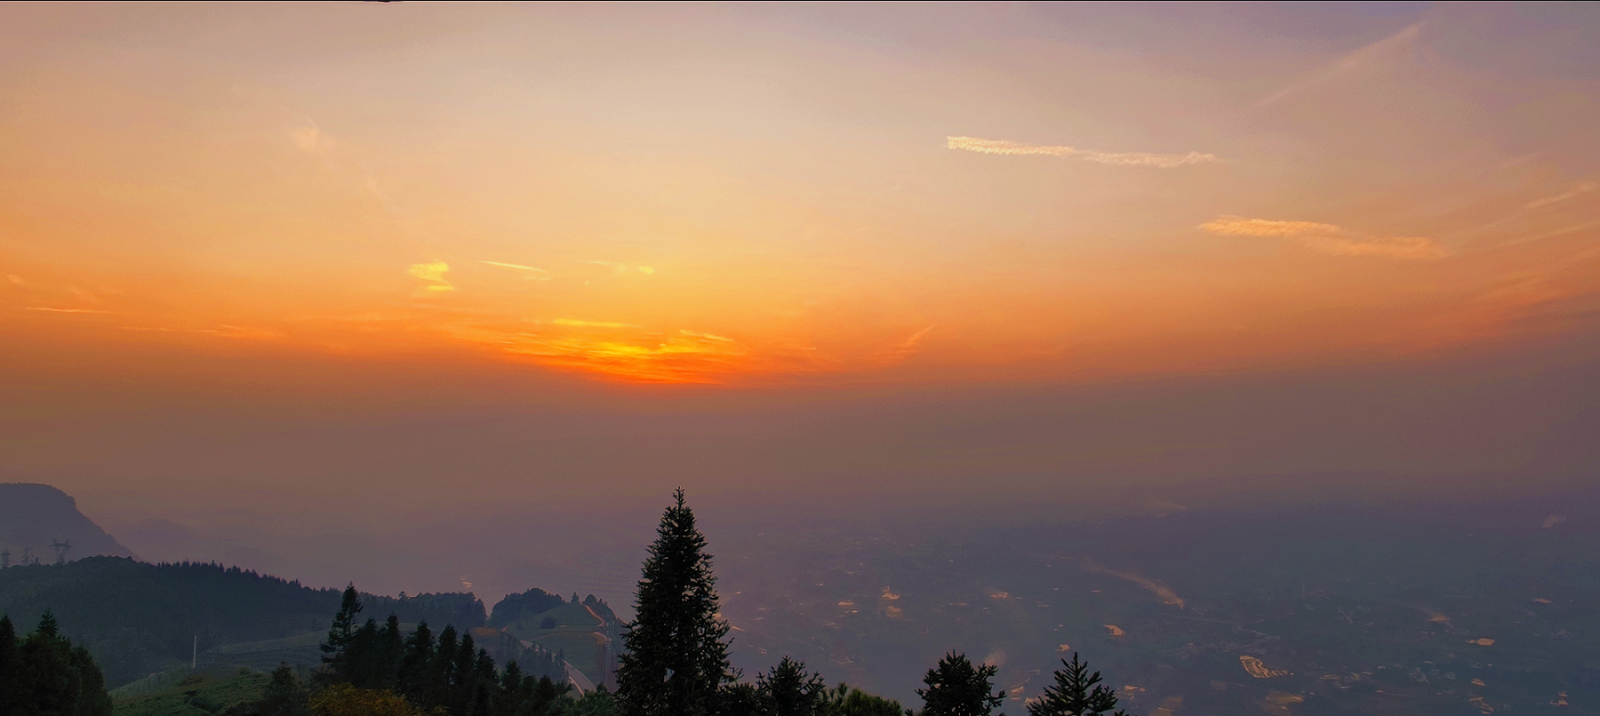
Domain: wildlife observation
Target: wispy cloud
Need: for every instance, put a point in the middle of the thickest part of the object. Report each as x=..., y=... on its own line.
x=310, y=138
x=15, y=280
x=1126, y=159
x=537, y=274
x=904, y=349
x=433, y=272
x=1583, y=226
x=164, y=329
x=1328, y=238
x=224, y=330
x=51, y=309
x=1576, y=191
x=620, y=269
x=705, y=336
x=1351, y=61
x=575, y=323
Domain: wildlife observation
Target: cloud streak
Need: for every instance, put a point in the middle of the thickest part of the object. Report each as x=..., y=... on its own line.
x=1360, y=57
x=1576, y=191
x=538, y=274
x=1125, y=159
x=433, y=272
x=575, y=323
x=621, y=269
x=904, y=349
x=706, y=336
x=1329, y=239
x=50, y=309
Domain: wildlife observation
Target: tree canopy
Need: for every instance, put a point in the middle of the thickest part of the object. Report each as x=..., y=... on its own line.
x=955, y=687
x=43, y=674
x=676, y=658
x=1076, y=692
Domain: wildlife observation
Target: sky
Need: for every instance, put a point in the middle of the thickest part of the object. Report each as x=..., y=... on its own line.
x=390, y=258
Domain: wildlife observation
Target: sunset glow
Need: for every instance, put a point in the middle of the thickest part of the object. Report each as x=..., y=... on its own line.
x=645, y=211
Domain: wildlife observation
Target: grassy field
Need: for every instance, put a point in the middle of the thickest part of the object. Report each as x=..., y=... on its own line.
x=297, y=650
x=198, y=694
x=579, y=633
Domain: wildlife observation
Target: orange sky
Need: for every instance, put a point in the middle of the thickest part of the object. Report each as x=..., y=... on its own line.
x=471, y=248
x=748, y=196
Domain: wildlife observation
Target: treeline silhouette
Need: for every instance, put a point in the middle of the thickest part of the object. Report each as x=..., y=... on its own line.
x=674, y=660
x=515, y=606
x=138, y=618
x=43, y=674
x=674, y=663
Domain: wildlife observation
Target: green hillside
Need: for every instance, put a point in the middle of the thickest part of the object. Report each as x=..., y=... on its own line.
x=200, y=694
x=584, y=633
x=138, y=619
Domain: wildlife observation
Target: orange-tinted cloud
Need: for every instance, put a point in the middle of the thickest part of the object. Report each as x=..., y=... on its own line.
x=433, y=272
x=634, y=355
x=1576, y=191
x=1126, y=159
x=535, y=272
x=1329, y=239
x=1375, y=53
x=51, y=309
x=576, y=323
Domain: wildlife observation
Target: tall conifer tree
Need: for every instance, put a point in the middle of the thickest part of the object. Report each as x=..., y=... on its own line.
x=789, y=690
x=958, y=688
x=341, y=633
x=55, y=677
x=10, y=667
x=676, y=658
x=1075, y=693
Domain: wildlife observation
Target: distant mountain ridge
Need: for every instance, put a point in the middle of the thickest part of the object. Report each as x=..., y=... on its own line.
x=33, y=516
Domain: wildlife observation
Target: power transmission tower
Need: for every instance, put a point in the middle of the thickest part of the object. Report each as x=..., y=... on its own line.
x=61, y=550
x=5, y=557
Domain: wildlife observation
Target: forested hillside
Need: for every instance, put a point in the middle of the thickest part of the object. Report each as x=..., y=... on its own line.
x=137, y=618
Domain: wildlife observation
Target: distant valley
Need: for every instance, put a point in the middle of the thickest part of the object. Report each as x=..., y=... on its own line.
x=1381, y=609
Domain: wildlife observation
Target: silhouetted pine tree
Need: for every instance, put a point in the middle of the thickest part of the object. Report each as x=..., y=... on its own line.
x=283, y=695
x=741, y=700
x=846, y=701
x=442, y=671
x=788, y=690
x=53, y=677
x=957, y=688
x=390, y=653
x=1075, y=693
x=510, y=694
x=415, y=664
x=360, y=663
x=547, y=692
x=340, y=634
x=10, y=667
x=675, y=660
